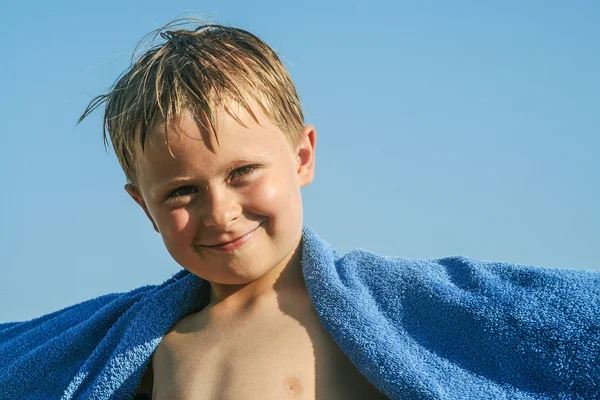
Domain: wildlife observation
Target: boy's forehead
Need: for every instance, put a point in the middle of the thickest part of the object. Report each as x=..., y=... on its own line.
x=226, y=118
x=184, y=154
x=183, y=127
x=236, y=132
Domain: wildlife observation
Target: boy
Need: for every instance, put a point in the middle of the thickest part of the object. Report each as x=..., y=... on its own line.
x=220, y=181
x=210, y=134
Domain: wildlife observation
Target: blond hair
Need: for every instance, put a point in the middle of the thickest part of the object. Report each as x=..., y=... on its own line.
x=196, y=71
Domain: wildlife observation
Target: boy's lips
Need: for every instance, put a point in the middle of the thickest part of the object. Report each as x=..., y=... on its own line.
x=233, y=244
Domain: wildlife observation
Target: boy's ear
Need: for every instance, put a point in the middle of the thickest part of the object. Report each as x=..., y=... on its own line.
x=137, y=197
x=305, y=155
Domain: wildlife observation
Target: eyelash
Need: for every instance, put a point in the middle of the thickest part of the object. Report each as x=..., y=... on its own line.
x=236, y=174
x=177, y=192
x=243, y=171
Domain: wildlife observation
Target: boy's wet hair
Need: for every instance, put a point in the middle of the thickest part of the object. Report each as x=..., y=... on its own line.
x=196, y=70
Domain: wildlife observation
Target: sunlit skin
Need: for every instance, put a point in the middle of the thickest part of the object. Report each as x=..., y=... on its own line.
x=231, y=212
x=201, y=195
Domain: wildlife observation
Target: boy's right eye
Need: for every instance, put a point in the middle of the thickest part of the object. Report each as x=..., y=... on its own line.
x=182, y=191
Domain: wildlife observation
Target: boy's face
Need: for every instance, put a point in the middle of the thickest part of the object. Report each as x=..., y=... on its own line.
x=229, y=211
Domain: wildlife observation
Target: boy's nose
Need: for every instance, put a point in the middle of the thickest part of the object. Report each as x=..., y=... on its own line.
x=220, y=208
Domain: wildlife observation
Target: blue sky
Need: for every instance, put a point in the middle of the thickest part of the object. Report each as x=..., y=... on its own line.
x=444, y=128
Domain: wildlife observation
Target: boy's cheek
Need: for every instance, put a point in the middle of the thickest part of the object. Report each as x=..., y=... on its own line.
x=260, y=195
x=270, y=197
x=280, y=202
x=175, y=222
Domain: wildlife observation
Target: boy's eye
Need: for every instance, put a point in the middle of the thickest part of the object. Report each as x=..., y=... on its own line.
x=242, y=171
x=183, y=191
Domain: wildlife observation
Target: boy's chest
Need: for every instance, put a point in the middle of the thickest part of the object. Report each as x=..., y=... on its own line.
x=275, y=357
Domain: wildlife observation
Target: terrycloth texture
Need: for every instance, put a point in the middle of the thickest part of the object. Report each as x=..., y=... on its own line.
x=453, y=328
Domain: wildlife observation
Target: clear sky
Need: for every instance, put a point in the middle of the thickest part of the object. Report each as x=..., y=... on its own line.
x=444, y=128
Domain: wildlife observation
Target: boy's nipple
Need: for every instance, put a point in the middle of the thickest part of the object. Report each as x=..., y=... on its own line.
x=293, y=388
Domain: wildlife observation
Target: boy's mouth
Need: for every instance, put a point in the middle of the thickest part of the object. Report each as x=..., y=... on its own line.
x=233, y=244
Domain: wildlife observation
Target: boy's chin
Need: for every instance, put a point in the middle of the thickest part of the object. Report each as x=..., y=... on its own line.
x=241, y=273
x=251, y=262
x=234, y=278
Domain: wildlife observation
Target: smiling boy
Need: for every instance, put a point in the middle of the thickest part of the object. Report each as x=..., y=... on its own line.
x=230, y=211
x=209, y=131
x=215, y=152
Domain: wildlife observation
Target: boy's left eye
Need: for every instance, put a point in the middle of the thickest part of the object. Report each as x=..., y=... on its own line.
x=243, y=171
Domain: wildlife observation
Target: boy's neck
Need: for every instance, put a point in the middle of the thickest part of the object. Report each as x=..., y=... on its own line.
x=282, y=280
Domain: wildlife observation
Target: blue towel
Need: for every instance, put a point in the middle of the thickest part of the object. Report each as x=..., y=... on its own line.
x=451, y=328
